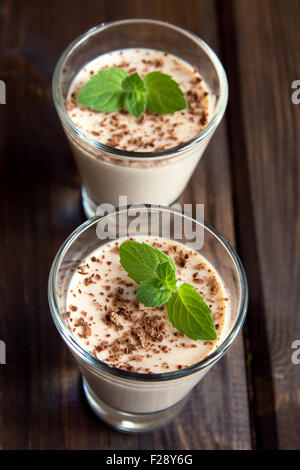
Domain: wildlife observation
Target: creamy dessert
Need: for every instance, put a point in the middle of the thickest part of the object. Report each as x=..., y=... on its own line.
x=149, y=179
x=151, y=132
x=107, y=321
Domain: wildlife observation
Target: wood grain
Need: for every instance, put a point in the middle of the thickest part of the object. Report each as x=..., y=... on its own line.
x=261, y=41
x=247, y=179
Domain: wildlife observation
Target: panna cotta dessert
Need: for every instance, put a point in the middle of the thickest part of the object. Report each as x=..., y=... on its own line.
x=150, y=132
x=140, y=143
x=152, y=178
x=145, y=317
x=106, y=319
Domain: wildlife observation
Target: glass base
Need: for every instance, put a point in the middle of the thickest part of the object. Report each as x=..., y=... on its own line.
x=90, y=206
x=130, y=422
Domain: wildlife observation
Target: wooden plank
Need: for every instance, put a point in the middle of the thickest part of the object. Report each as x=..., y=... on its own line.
x=261, y=50
x=44, y=407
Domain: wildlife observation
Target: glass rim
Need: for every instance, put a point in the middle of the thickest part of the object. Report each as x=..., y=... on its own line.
x=104, y=367
x=125, y=154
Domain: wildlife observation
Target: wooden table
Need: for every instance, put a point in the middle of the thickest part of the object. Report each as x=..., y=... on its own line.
x=248, y=181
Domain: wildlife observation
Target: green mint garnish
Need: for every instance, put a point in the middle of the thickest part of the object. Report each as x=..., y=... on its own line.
x=113, y=89
x=140, y=260
x=189, y=313
x=166, y=272
x=164, y=94
x=155, y=272
x=135, y=94
x=155, y=291
x=152, y=293
x=104, y=91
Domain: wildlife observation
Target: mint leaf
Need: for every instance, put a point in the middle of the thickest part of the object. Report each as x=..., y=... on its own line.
x=140, y=260
x=136, y=93
x=167, y=275
x=152, y=293
x=164, y=94
x=104, y=91
x=190, y=315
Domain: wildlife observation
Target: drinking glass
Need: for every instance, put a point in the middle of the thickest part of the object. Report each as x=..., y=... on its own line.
x=132, y=401
x=144, y=177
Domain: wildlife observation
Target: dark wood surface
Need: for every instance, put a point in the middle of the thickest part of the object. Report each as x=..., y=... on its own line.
x=248, y=181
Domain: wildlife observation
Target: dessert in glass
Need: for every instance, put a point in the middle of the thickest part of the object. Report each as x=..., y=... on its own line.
x=150, y=159
x=137, y=368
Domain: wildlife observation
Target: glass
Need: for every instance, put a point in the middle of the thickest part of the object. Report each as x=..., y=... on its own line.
x=131, y=401
x=144, y=177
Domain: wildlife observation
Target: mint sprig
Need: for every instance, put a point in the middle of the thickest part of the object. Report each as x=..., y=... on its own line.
x=114, y=89
x=155, y=272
